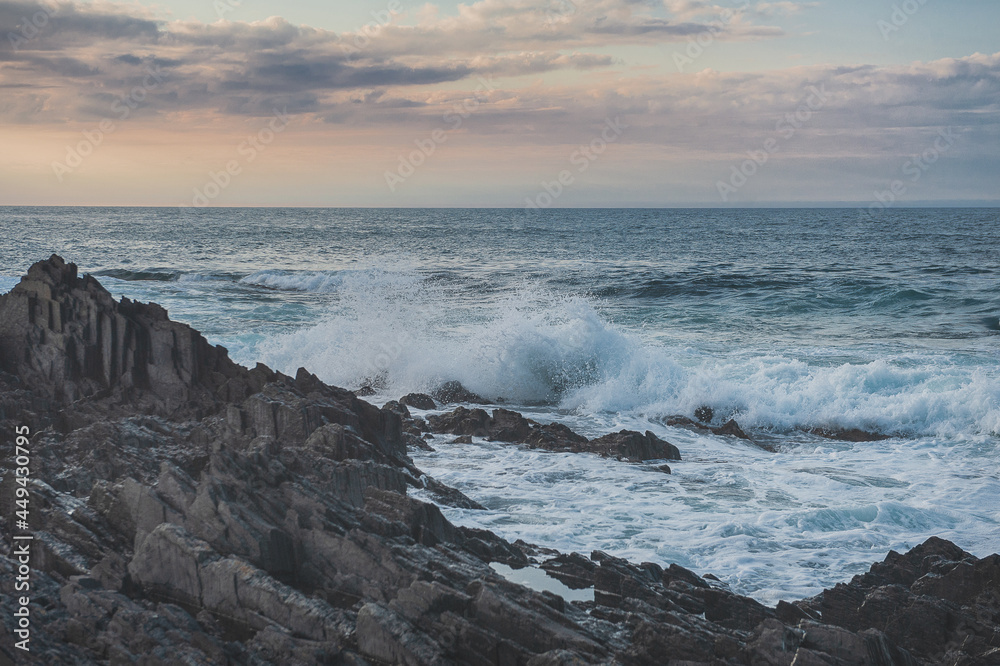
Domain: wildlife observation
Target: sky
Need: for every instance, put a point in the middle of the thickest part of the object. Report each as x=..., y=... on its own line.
x=509, y=103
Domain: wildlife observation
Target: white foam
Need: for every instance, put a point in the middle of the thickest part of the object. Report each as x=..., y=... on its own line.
x=774, y=526
x=531, y=347
x=315, y=281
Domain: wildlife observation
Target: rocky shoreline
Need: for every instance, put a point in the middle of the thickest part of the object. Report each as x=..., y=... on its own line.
x=185, y=509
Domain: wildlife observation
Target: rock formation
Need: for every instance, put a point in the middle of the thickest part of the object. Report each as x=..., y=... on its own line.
x=187, y=510
x=508, y=426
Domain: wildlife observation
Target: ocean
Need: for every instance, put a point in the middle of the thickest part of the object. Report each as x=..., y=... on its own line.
x=787, y=320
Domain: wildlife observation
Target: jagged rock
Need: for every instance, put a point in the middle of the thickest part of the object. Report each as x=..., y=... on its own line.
x=555, y=437
x=573, y=570
x=67, y=338
x=731, y=427
x=453, y=391
x=188, y=510
x=508, y=426
x=418, y=401
x=397, y=408
x=461, y=421
x=633, y=446
x=449, y=496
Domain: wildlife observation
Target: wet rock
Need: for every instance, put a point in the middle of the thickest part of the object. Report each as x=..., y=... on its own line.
x=555, y=437
x=704, y=414
x=633, y=446
x=573, y=570
x=449, y=496
x=849, y=434
x=194, y=511
x=397, y=408
x=508, y=426
x=418, y=401
x=453, y=391
x=732, y=428
x=461, y=421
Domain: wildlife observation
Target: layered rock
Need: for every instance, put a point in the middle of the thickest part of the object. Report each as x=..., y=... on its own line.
x=188, y=510
x=508, y=426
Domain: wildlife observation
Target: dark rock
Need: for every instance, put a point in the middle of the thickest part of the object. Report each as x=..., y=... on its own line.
x=634, y=446
x=704, y=414
x=397, y=408
x=418, y=401
x=461, y=421
x=194, y=511
x=574, y=570
x=732, y=428
x=556, y=437
x=415, y=442
x=849, y=434
x=449, y=496
x=452, y=392
x=508, y=426
x=68, y=339
x=463, y=439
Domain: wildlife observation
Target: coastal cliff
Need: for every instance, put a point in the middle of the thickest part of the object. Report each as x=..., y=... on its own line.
x=184, y=509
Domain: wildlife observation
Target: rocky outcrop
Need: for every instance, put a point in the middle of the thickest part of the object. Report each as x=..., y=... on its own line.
x=704, y=415
x=452, y=392
x=418, y=401
x=233, y=516
x=67, y=338
x=505, y=425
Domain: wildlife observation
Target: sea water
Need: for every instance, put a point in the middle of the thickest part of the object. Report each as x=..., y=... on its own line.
x=787, y=320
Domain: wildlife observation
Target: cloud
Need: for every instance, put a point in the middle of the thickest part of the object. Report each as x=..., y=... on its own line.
x=87, y=57
x=72, y=55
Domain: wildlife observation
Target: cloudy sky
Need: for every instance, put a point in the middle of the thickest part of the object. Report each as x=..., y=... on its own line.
x=499, y=102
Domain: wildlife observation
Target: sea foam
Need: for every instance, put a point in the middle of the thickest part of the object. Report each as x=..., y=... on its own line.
x=397, y=332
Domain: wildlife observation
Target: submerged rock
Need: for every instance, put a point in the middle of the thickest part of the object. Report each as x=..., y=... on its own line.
x=189, y=510
x=849, y=434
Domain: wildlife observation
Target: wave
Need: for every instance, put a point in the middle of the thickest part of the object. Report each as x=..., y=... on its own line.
x=400, y=333
x=315, y=282
x=139, y=276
